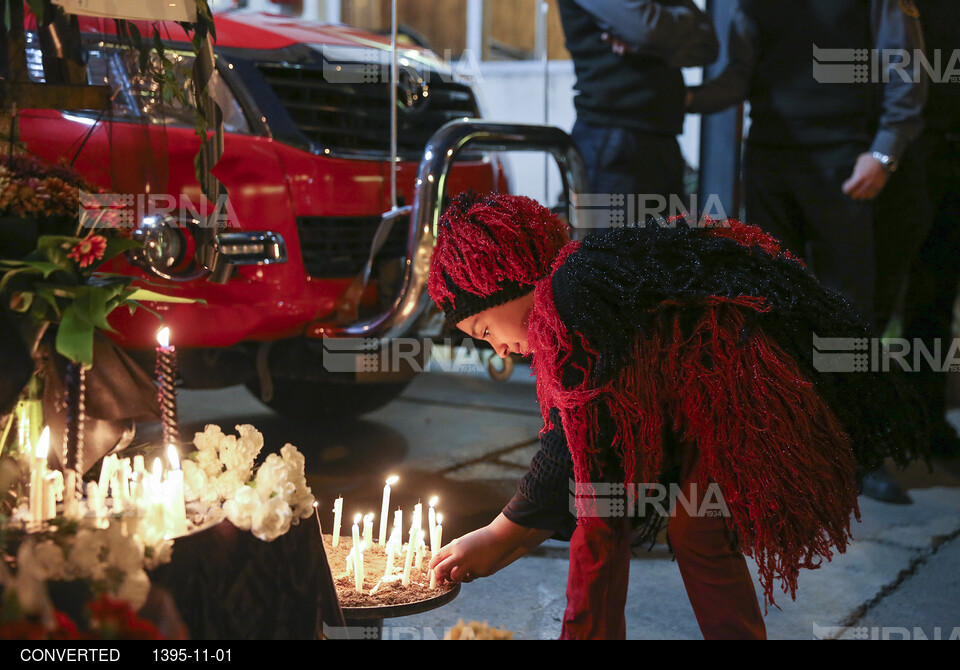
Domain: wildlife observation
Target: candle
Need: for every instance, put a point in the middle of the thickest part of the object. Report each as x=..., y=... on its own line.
x=54, y=492
x=436, y=542
x=95, y=500
x=337, y=517
x=392, y=548
x=411, y=547
x=431, y=521
x=421, y=550
x=385, y=508
x=398, y=523
x=38, y=477
x=368, y=529
x=166, y=371
x=106, y=473
x=357, y=557
x=175, y=504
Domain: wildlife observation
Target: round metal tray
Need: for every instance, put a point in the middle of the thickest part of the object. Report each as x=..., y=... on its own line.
x=402, y=609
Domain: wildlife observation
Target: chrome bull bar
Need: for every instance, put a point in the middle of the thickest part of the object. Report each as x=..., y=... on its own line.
x=438, y=158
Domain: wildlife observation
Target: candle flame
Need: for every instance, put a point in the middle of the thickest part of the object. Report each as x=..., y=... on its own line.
x=439, y=519
x=392, y=480
x=173, y=457
x=43, y=444
x=433, y=501
x=163, y=337
x=356, y=519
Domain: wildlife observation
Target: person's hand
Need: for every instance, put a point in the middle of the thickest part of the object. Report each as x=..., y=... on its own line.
x=485, y=550
x=867, y=180
x=473, y=555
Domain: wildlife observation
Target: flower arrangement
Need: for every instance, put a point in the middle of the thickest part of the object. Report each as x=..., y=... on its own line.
x=60, y=277
x=265, y=500
x=111, y=561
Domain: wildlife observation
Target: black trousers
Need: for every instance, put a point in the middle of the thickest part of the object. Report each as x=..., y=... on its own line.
x=796, y=195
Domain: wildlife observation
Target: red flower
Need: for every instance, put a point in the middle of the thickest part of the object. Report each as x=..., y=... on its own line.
x=114, y=620
x=90, y=249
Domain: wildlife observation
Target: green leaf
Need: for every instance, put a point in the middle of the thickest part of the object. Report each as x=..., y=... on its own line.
x=75, y=337
x=144, y=295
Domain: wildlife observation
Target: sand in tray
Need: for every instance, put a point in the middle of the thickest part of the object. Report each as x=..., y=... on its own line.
x=385, y=591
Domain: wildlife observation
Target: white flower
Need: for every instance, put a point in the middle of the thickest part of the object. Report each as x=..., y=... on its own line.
x=85, y=554
x=240, y=508
x=228, y=484
x=48, y=560
x=271, y=519
x=209, y=439
x=196, y=484
x=250, y=440
x=272, y=474
x=209, y=462
x=161, y=552
x=134, y=589
x=124, y=552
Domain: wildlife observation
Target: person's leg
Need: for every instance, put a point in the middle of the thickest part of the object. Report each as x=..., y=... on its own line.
x=768, y=200
x=841, y=235
x=714, y=572
x=597, y=580
x=646, y=169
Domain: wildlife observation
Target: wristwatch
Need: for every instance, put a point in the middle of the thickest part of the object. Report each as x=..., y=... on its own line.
x=888, y=164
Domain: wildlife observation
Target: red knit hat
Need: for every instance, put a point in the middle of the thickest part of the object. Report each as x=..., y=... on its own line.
x=491, y=248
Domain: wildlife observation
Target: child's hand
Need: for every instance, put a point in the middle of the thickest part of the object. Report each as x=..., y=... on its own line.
x=485, y=550
x=466, y=558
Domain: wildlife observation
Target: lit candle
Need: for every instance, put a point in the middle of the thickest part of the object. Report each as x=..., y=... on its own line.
x=368, y=529
x=316, y=511
x=437, y=540
x=38, y=477
x=176, y=506
x=337, y=518
x=357, y=557
x=398, y=523
x=166, y=371
x=431, y=520
x=385, y=509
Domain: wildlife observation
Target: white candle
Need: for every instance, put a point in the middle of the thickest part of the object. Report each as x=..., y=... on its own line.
x=106, y=473
x=421, y=550
x=368, y=529
x=337, y=518
x=431, y=520
x=411, y=547
x=392, y=548
x=437, y=539
x=50, y=491
x=176, y=505
x=38, y=477
x=385, y=509
x=95, y=500
x=139, y=465
x=357, y=557
x=398, y=524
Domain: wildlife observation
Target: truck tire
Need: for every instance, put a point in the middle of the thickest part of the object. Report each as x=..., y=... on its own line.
x=305, y=399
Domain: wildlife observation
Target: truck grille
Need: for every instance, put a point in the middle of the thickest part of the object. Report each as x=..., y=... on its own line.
x=338, y=246
x=354, y=119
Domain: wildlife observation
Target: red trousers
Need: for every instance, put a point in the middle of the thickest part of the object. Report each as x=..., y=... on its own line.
x=715, y=574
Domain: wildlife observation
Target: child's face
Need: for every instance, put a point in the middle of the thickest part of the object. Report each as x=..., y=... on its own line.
x=503, y=326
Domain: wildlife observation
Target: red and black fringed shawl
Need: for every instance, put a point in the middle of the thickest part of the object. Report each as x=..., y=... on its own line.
x=708, y=332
